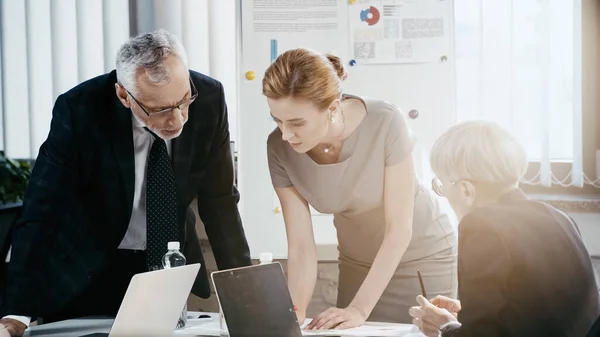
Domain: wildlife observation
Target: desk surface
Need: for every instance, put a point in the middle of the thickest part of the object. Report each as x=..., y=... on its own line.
x=201, y=327
x=88, y=325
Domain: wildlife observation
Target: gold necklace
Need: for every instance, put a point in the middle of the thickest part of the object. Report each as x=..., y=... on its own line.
x=326, y=150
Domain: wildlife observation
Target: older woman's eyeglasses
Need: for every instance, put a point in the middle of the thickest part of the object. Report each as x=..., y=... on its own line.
x=165, y=112
x=438, y=187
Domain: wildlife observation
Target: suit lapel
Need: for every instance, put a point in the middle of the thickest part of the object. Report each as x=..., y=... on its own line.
x=123, y=149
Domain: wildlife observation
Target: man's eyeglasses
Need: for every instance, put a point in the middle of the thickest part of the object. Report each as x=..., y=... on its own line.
x=167, y=111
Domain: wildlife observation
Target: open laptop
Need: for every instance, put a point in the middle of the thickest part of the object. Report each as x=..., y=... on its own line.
x=256, y=302
x=153, y=302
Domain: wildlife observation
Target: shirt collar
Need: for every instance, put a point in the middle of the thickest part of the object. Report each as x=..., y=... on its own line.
x=136, y=121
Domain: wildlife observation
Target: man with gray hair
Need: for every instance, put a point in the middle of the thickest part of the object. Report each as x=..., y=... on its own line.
x=523, y=269
x=127, y=153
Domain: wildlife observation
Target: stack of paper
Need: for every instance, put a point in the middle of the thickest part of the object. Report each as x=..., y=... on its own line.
x=211, y=326
x=368, y=329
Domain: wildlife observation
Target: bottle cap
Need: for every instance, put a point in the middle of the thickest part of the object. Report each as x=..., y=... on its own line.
x=173, y=245
x=266, y=257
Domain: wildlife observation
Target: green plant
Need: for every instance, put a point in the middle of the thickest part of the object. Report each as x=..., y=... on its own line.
x=14, y=175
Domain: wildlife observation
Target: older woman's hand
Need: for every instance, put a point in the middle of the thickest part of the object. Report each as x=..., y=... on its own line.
x=450, y=304
x=428, y=318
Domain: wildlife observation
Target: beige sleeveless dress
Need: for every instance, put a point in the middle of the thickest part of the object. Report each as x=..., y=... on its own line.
x=352, y=190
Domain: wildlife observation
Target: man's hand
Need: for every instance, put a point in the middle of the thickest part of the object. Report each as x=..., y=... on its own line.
x=450, y=304
x=428, y=318
x=336, y=318
x=15, y=328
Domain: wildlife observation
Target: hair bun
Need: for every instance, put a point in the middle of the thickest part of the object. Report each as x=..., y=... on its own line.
x=337, y=65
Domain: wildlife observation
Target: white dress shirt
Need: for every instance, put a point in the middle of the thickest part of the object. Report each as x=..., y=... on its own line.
x=135, y=236
x=449, y=324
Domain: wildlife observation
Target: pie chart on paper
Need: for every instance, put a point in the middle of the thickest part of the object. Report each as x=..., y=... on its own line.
x=370, y=15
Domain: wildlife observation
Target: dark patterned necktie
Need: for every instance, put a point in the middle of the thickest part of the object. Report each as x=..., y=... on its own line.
x=161, y=203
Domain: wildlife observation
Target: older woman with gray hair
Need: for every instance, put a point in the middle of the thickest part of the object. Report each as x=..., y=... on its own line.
x=522, y=267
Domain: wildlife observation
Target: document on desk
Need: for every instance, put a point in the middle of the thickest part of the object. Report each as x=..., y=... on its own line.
x=370, y=329
x=211, y=327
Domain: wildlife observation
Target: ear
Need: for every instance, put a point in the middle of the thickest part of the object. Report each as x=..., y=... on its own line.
x=122, y=95
x=468, y=191
x=334, y=106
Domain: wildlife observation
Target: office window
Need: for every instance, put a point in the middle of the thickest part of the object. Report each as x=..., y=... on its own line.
x=519, y=63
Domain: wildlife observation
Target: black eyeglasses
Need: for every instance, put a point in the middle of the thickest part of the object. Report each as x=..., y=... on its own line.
x=167, y=111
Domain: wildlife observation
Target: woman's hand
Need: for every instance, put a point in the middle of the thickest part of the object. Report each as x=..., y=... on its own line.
x=336, y=318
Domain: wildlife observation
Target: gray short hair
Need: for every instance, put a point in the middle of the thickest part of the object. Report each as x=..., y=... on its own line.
x=147, y=51
x=479, y=151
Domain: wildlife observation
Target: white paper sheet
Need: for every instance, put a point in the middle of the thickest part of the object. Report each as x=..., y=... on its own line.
x=294, y=16
x=365, y=330
x=368, y=329
x=397, y=31
x=211, y=327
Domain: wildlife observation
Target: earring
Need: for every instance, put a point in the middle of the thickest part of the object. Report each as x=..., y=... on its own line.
x=332, y=118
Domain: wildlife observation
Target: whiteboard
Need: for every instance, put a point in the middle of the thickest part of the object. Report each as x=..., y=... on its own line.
x=427, y=87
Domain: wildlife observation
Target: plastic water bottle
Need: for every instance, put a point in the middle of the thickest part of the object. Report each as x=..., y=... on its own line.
x=265, y=258
x=173, y=258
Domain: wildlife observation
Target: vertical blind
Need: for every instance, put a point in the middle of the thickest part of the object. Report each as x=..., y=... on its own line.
x=207, y=29
x=50, y=46
x=519, y=63
x=47, y=48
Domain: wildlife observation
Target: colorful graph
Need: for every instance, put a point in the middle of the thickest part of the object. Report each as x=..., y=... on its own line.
x=371, y=19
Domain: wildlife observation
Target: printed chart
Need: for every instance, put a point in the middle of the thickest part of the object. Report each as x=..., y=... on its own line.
x=397, y=31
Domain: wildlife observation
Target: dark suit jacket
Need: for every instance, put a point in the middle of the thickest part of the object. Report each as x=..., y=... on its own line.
x=523, y=271
x=80, y=195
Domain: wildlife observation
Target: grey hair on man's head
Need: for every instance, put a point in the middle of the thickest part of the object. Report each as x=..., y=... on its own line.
x=479, y=151
x=148, y=51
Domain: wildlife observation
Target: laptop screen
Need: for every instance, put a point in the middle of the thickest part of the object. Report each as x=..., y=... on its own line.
x=256, y=301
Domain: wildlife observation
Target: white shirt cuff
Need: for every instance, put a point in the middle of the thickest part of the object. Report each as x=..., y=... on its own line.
x=449, y=324
x=23, y=319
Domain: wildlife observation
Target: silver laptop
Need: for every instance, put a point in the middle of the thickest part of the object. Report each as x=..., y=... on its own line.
x=153, y=302
x=256, y=302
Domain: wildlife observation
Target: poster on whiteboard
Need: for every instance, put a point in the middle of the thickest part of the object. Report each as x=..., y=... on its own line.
x=397, y=31
x=294, y=16
x=289, y=24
